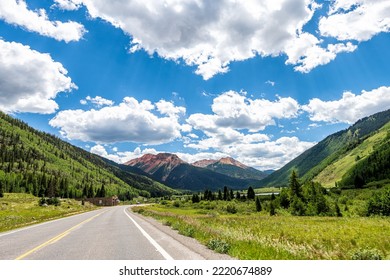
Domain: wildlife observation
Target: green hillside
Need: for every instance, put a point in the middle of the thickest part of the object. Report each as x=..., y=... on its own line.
x=374, y=168
x=44, y=165
x=335, y=171
x=337, y=149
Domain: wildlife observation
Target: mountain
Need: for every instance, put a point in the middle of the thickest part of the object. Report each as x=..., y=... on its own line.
x=337, y=155
x=178, y=174
x=204, y=162
x=42, y=164
x=232, y=168
x=159, y=165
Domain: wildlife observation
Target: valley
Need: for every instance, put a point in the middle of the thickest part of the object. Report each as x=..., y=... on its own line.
x=331, y=202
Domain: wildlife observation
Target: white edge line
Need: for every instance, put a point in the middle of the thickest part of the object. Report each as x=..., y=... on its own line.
x=149, y=238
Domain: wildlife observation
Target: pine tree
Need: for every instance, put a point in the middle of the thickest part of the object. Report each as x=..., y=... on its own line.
x=272, y=210
x=219, y=195
x=258, y=205
x=338, y=211
x=102, y=191
x=231, y=195
x=195, y=198
x=225, y=193
x=90, y=192
x=295, y=186
x=284, y=198
x=251, y=193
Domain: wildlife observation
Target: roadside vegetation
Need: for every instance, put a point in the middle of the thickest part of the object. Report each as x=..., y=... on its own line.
x=20, y=209
x=303, y=221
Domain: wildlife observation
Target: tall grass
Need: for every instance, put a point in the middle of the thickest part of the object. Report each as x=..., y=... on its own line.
x=251, y=236
x=20, y=209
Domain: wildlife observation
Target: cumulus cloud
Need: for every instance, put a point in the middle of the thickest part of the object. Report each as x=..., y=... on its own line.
x=350, y=107
x=235, y=110
x=206, y=34
x=121, y=157
x=234, y=128
x=130, y=121
x=169, y=109
x=306, y=52
x=30, y=80
x=16, y=12
x=257, y=151
x=356, y=19
x=211, y=34
x=98, y=101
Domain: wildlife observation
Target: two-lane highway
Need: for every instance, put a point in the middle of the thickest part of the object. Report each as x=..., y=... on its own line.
x=106, y=234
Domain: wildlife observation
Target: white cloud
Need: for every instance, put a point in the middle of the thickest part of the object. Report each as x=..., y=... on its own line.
x=16, y=12
x=269, y=154
x=305, y=52
x=233, y=130
x=235, y=110
x=30, y=80
x=121, y=157
x=261, y=153
x=211, y=34
x=169, y=109
x=130, y=121
x=350, y=107
x=356, y=19
x=98, y=101
x=207, y=34
x=69, y=5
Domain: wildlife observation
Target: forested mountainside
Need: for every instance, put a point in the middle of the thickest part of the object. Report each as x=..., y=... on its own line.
x=329, y=161
x=44, y=165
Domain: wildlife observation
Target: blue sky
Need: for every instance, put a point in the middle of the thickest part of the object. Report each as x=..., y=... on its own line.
x=260, y=81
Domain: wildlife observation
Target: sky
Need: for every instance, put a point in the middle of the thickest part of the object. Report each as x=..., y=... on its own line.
x=257, y=80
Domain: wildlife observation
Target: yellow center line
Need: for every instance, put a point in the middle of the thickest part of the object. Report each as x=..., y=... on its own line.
x=57, y=238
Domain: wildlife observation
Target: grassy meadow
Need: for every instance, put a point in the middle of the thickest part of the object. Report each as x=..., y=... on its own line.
x=20, y=209
x=236, y=229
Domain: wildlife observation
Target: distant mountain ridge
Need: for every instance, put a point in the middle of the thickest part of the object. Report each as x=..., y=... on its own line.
x=231, y=167
x=338, y=154
x=204, y=162
x=159, y=165
x=210, y=174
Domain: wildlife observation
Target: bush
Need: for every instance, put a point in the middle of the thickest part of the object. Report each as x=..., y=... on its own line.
x=297, y=206
x=163, y=202
x=367, y=254
x=187, y=231
x=272, y=210
x=176, y=204
x=231, y=208
x=219, y=246
x=379, y=204
x=49, y=201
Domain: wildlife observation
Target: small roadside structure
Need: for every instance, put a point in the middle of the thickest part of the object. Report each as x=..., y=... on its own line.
x=104, y=201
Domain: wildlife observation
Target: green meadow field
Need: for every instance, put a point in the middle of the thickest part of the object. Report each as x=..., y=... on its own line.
x=236, y=229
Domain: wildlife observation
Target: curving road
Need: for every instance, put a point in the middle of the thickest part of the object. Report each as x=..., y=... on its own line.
x=113, y=233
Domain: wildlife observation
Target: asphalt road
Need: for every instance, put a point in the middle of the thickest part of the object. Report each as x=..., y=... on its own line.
x=112, y=233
